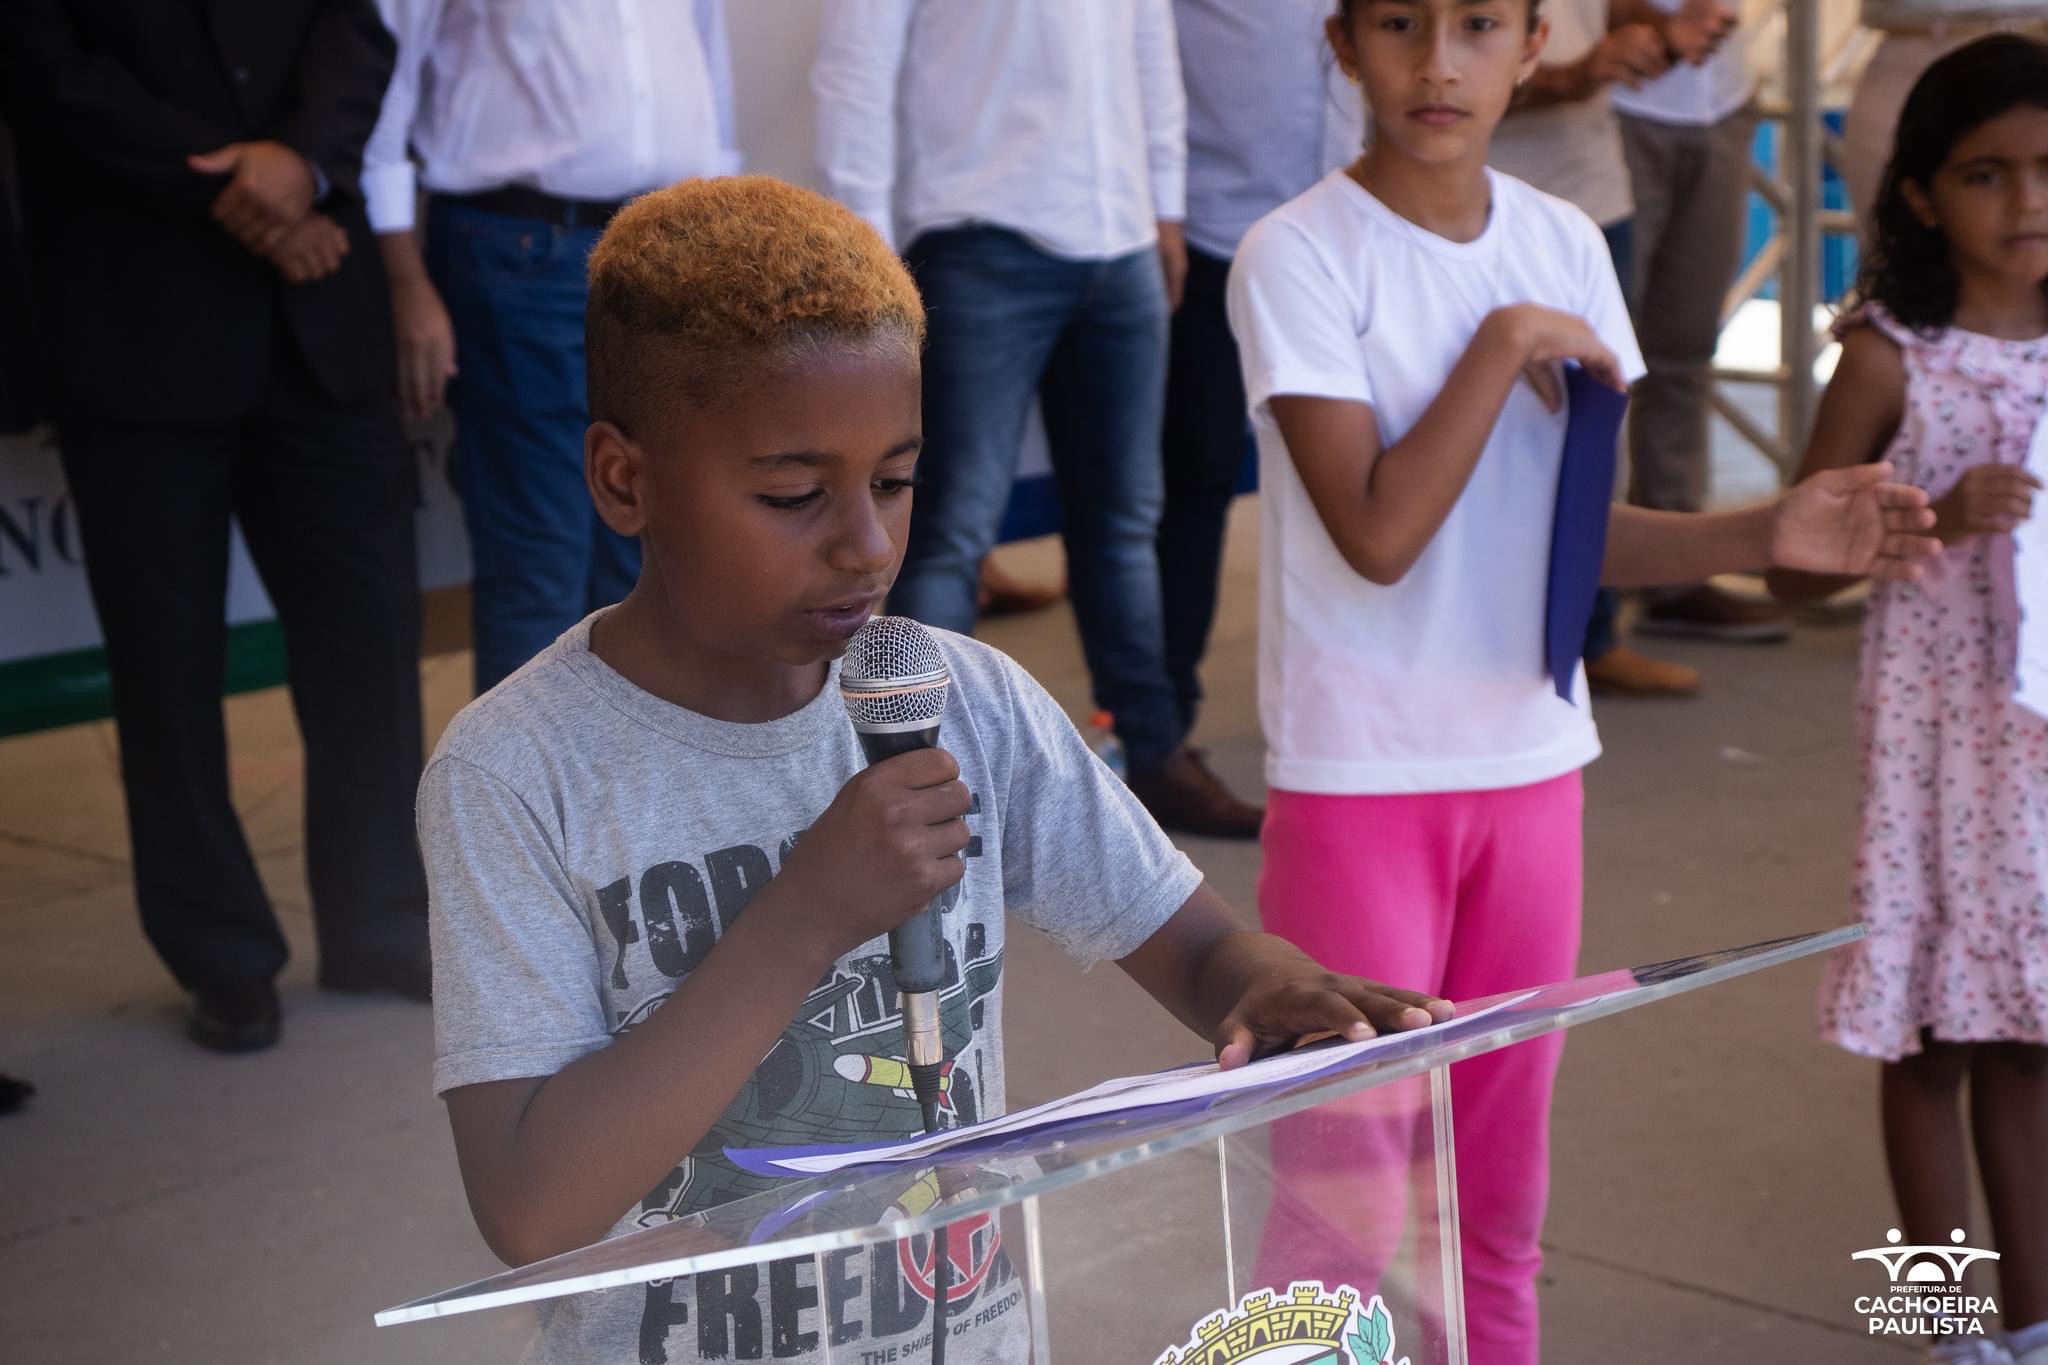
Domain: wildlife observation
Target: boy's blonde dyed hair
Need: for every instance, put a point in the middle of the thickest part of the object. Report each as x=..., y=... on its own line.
x=692, y=286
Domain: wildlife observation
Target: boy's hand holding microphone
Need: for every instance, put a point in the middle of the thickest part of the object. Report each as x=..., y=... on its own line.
x=886, y=846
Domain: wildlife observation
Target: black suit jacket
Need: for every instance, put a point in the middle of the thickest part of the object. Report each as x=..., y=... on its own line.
x=149, y=309
x=24, y=379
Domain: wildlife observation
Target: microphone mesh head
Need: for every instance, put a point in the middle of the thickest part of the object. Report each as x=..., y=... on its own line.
x=894, y=676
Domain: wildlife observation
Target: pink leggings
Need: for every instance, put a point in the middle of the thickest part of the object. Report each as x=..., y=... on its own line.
x=1463, y=894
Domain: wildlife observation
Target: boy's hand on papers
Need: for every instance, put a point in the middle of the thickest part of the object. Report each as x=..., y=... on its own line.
x=1287, y=1002
x=1854, y=521
x=1250, y=993
x=888, y=843
x=1990, y=499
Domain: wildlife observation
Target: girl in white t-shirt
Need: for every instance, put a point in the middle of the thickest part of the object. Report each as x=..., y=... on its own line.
x=1402, y=324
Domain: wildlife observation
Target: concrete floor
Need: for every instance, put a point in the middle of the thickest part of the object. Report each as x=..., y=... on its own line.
x=1714, y=1164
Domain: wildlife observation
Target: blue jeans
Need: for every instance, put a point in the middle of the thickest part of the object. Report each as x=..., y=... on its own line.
x=1603, y=631
x=515, y=290
x=1088, y=340
x=1207, y=443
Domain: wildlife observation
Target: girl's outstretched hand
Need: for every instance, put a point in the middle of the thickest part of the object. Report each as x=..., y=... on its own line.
x=1854, y=521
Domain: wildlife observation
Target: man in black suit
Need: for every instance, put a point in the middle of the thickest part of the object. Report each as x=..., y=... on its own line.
x=217, y=326
x=22, y=399
x=24, y=383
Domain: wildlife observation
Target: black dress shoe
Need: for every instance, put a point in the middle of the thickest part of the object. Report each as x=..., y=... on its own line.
x=14, y=1093
x=244, y=1017
x=408, y=973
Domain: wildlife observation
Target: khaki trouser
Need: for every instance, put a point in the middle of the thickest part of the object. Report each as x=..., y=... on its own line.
x=1690, y=187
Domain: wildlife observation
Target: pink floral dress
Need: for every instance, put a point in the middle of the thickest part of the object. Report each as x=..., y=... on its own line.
x=1952, y=869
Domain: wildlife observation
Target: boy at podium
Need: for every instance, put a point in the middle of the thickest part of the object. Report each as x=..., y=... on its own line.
x=662, y=876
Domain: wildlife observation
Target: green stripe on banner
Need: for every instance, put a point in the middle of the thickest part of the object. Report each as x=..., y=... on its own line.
x=67, y=689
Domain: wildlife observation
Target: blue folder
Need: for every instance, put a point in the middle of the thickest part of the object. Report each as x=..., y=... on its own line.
x=1578, y=535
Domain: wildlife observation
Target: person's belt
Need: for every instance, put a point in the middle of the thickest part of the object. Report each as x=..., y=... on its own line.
x=520, y=201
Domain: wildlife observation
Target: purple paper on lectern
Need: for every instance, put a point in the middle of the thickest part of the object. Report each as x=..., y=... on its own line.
x=1127, y=1098
x=1578, y=535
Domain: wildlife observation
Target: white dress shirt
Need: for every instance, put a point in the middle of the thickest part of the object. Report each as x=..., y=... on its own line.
x=597, y=99
x=1696, y=96
x=1062, y=120
x=1269, y=112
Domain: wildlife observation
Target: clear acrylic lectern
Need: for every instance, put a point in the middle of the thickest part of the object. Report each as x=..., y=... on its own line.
x=1311, y=1220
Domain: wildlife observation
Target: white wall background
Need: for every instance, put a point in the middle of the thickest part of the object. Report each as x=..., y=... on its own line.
x=772, y=43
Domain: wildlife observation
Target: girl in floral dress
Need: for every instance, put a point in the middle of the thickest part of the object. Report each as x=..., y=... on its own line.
x=1943, y=372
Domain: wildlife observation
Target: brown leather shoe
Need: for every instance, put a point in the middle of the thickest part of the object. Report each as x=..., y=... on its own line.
x=1001, y=594
x=1707, y=613
x=1184, y=795
x=1621, y=672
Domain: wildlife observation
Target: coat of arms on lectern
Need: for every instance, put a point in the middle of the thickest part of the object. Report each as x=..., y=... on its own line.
x=1305, y=1326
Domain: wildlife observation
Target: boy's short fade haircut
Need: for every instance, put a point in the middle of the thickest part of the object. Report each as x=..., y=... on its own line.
x=694, y=285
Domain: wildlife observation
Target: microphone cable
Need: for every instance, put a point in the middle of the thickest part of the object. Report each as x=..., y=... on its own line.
x=928, y=1090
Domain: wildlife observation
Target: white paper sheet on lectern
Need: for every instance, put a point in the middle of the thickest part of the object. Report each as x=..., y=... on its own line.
x=2030, y=579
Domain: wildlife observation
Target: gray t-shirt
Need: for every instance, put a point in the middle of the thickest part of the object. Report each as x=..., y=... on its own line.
x=586, y=843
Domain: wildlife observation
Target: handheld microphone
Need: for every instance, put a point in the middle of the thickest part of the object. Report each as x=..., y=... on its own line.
x=894, y=682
